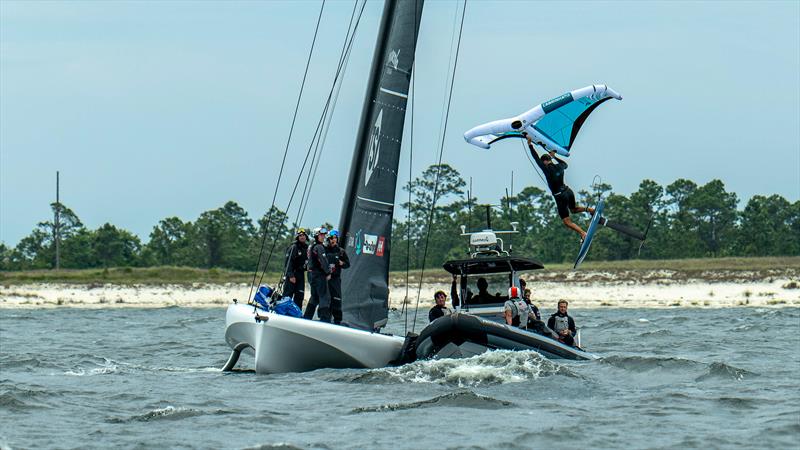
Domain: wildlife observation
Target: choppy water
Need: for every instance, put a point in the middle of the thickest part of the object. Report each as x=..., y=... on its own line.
x=724, y=378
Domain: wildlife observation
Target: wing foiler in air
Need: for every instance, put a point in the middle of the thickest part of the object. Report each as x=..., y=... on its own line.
x=555, y=123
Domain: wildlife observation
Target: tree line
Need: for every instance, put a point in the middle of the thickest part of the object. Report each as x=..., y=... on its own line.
x=688, y=221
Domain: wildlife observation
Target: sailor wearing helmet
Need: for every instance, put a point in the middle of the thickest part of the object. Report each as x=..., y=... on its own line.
x=337, y=261
x=515, y=310
x=294, y=284
x=319, y=274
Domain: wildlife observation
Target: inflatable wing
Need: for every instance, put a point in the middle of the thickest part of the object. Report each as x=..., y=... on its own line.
x=554, y=123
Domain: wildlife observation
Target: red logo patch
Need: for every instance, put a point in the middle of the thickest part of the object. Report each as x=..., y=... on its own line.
x=379, y=248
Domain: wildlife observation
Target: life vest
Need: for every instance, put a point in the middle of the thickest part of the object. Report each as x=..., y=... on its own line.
x=560, y=323
x=519, y=310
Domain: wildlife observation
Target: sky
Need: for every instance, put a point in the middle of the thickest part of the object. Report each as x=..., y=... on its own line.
x=158, y=109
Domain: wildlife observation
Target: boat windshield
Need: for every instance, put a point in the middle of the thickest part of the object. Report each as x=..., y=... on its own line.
x=487, y=289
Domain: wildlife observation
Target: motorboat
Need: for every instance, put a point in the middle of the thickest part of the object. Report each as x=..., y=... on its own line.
x=478, y=325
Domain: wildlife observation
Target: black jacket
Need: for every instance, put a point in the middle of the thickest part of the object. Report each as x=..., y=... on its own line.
x=334, y=255
x=438, y=311
x=296, y=256
x=317, y=261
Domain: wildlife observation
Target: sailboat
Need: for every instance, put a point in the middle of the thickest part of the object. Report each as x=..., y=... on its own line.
x=288, y=344
x=283, y=343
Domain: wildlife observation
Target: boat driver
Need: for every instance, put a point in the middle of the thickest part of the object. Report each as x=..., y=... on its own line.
x=563, y=324
x=563, y=195
x=481, y=298
x=440, y=309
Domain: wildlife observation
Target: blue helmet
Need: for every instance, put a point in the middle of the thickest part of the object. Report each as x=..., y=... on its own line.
x=333, y=233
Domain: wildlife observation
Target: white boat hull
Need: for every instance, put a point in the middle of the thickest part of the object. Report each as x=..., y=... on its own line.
x=287, y=344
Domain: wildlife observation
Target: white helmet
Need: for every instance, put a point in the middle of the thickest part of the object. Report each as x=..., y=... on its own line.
x=319, y=230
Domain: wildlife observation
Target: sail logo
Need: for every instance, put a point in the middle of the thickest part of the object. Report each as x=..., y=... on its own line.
x=393, y=61
x=370, y=244
x=380, y=246
x=358, y=247
x=374, y=150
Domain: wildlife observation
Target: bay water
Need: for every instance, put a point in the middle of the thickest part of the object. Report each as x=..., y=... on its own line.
x=150, y=378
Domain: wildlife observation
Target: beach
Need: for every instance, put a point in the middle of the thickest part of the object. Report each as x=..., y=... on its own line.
x=583, y=289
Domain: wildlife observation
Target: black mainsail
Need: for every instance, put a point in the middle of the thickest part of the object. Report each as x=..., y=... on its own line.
x=366, y=219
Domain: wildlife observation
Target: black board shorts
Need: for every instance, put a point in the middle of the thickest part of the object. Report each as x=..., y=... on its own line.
x=565, y=201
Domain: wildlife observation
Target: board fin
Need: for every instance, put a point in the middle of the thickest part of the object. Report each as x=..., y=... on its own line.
x=624, y=229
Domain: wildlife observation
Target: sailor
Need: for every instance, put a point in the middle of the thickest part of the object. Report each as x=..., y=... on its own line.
x=319, y=274
x=440, y=309
x=515, y=309
x=337, y=261
x=563, y=195
x=563, y=324
x=295, y=278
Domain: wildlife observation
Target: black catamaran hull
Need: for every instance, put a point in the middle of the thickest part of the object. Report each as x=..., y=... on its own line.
x=463, y=335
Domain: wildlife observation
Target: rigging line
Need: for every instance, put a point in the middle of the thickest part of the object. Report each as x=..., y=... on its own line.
x=305, y=162
x=326, y=122
x=439, y=137
x=410, y=174
x=344, y=59
x=286, y=150
x=439, y=167
x=535, y=168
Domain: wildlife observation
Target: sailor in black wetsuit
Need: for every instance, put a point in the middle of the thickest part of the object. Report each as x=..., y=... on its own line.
x=294, y=284
x=563, y=324
x=565, y=198
x=337, y=261
x=440, y=309
x=319, y=274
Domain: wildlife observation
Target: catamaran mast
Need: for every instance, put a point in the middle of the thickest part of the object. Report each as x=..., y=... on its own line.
x=367, y=211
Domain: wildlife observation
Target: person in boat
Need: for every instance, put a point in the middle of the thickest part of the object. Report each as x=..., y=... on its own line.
x=440, y=309
x=563, y=324
x=534, y=309
x=563, y=195
x=535, y=322
x=481, y=298
x=526, y=295
x=294, y=284
x=515, y=310
x=319, y=274
x=337, y=261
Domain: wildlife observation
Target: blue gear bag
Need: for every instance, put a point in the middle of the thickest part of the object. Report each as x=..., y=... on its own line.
x=287, y=307
x=262, y=297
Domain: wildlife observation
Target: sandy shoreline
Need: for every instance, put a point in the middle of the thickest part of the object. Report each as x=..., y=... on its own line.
x=623, y=289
